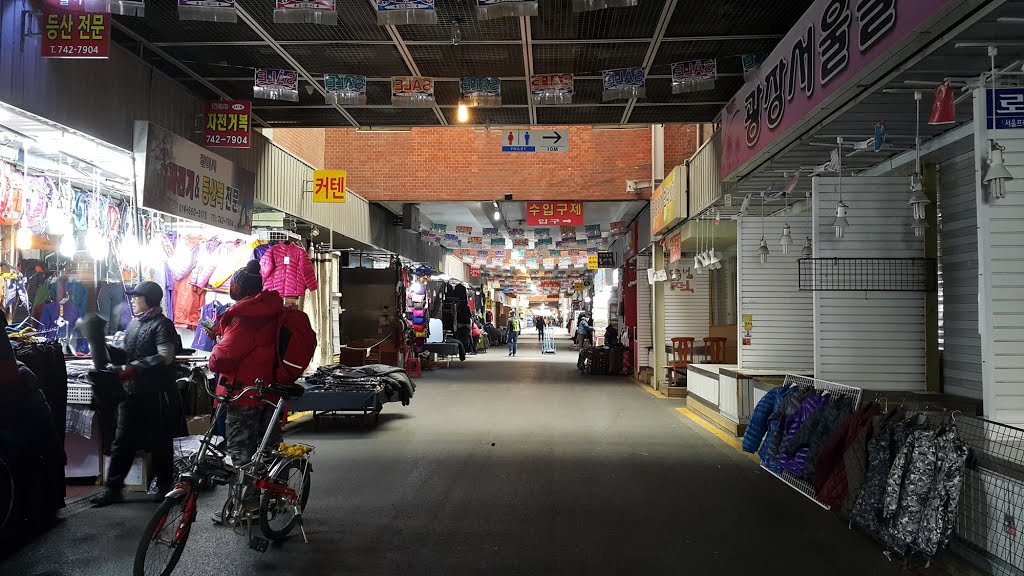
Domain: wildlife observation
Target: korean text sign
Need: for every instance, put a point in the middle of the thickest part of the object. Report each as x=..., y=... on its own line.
x=1005, y=108
x=227, y=124
x=329, y=186
x=69, y=33
x=554, y=213
x=830, y=47
x=183, y=179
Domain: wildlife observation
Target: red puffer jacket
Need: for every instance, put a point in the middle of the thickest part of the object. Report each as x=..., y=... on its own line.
x=287, y=269
x=246, y=350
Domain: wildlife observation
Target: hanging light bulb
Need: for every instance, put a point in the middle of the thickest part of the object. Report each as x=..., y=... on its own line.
x=497, y=215
x=129, y=252
x=807, y=251
x=24, y=238
x=67, y=245
x=840, y=224
x=786, y=240
x=762, y=251
x=463, y=113
x=996, y=176
x=57, y=222
x=96, y=245
x=918, y=201
x=920, y=227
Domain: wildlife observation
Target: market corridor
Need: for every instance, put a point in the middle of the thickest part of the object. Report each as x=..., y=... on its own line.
x=507, y=466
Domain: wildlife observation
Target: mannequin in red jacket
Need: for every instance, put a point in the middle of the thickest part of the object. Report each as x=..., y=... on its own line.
x=244, y=353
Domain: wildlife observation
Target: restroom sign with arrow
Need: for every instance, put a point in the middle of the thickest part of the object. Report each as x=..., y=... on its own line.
x=535, y=141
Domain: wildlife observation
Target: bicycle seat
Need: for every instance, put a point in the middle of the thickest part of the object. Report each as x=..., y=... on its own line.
x=286, y=390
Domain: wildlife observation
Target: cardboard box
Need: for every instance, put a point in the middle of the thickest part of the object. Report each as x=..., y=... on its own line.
x=198, y=425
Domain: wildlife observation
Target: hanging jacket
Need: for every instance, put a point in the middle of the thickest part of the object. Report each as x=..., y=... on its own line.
x=793, y=462
x=790, y=404
x=183, y=260
x=235, y=257
x=209, y=255
x=923, y=489
x=816, y=431
x=830, y=472
x=286, y=268
x=247, y=349
x=758, y=424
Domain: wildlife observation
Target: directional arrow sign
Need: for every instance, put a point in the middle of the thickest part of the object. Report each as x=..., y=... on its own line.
x=535, y=141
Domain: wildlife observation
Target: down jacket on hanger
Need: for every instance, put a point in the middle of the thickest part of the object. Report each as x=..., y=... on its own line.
x=924, y=489
x=790, y=457
x=816, y=431
x=286, y=268
x=833, y=471
x=757, y=427
x=778, y=425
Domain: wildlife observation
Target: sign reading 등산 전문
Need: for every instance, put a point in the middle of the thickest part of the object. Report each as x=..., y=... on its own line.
x=183, y=179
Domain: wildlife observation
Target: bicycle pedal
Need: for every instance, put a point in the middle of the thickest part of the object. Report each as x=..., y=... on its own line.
x=259, y=544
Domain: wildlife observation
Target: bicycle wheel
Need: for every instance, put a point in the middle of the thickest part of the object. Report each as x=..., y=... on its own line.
x=165, y=536
x=278, y=511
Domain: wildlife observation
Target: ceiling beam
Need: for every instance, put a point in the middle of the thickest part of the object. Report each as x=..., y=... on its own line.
x=574, y=105
x=525, y=36
x=319, y=78
x=243, y=15
x=534, y=41
x=170, y=59
x=652, y=50
x=403, y=49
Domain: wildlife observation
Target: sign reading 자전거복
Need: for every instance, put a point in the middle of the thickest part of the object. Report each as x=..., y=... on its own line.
x=69, y=33
x=183, y=179
x=1005, y=108
x=227, y=124
x=329, y=186
x=554, y=214
x=830, y=47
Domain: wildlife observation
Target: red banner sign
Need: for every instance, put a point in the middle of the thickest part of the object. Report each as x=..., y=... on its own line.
x=74, y=34
x=675, y=247
x=554, y=213
x=474, y=272
x=228, y=124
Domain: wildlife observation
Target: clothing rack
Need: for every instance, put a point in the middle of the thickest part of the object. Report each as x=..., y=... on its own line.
x=277, y=235
x=835, y=392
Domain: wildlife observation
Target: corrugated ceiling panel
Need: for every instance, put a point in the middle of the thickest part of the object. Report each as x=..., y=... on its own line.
x=557, y=21
x=469, y=60
x=586, y=59
x=726, y=17
x=357, y=21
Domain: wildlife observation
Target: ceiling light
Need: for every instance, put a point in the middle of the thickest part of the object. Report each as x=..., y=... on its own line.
x=920, y=227
x=840, y=224
x=497, y=215
x=96, y=245
x=807, y=251
x=786, y=240
x=462, y=115
x=24, y=238
x=996, y=176
x=918, y=201
x=762, y=251
x=67, y=245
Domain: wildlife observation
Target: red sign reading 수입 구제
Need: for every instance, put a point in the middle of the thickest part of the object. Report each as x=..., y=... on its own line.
x=554, y=213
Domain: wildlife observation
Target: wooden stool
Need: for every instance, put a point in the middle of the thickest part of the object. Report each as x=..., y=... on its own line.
x=714, y=350
x=682, y=356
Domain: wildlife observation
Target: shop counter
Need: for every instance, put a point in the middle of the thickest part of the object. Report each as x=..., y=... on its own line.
x=726, y=395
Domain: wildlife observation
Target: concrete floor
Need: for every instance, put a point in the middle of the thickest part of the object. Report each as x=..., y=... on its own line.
x=507, y=466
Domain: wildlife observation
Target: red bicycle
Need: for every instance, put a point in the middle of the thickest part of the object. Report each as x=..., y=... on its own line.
x=279, y=478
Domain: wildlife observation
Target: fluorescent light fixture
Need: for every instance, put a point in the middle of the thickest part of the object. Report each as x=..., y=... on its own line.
x=762, y=251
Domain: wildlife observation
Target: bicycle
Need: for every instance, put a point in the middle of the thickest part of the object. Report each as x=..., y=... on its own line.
x=280, y=477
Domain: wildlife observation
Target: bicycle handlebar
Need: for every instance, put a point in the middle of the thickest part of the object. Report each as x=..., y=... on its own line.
x=228, y=398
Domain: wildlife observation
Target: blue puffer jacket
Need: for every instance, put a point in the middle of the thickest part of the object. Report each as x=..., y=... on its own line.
x=760, y=421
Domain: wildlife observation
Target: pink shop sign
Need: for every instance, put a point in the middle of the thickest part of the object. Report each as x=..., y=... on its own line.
x=834, y=42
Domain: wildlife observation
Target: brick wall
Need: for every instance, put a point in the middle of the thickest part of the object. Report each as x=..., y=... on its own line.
x=457, y=163
x=307, y=144
x=681, y=141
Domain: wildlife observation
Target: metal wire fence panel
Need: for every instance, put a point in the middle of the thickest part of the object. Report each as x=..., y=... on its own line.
x=835, y=392
x=868, y=274
x=991, y=515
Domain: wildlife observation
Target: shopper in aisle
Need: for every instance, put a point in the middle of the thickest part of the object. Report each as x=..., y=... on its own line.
x=144, y=416
x=538, y=321
x=513, y=334
x=244, y=353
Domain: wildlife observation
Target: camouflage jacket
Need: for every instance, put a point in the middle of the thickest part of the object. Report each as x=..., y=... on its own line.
x=923, y=489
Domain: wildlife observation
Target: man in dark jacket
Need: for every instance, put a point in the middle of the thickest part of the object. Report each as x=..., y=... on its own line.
x=144, y=417
x=539, y=323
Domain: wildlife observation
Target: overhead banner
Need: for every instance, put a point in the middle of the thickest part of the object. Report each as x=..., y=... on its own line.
x=227, y=124
x=623, y=84
x=74, y=34
x=412, y=92
x=397, y=12
x=833, y=44
x=668, y=202
x=329, y=186
x=554, y=214
x=345, y=89
x=481, y=91
x=136, y=8
x=551, y=88
x=207, y=10
x=694, y=76
x=183, y=179
x=274, y=84
x=306, y=12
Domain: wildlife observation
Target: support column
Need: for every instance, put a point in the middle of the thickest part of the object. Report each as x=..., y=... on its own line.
x=658, y=322
x=657, y=154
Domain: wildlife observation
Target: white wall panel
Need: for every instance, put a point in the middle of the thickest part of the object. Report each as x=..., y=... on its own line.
x=728, y=397
x=782, y=337
x=687, y=314
x=702, y=386
x=645, y=311
x=874, y=340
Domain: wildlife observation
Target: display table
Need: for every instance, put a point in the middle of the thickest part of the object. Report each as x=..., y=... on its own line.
x=726, y=395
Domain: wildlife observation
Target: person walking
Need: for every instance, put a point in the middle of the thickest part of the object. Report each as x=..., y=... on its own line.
x=540, y=324
x=513, y=334
x=144, y=416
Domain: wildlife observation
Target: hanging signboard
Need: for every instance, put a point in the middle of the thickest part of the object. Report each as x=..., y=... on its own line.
x=497, y=241
x=694, y=76
x=551, y=88
x=490, y=232
x=398, y=12
x=482, y=91
x=306, y=12
x=273, y=84
x=227, y=124
x=207, y=10
x=675, y=247
x=183, y=179
x=667, y=202
x=592, y=262
x=329, y=186
x=75, y=34
x=412, y=92
x=606, y=260
x=830, y=49
x=554, y=214
x=1005, y=108
x=623, y=84
x=345, y=89
x=464, y=230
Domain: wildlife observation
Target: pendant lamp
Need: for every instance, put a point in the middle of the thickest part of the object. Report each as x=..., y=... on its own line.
x=996, y=176
x=840, y=223
x=762, y=250
x=807, y=251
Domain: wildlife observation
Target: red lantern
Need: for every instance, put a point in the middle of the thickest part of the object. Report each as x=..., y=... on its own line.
x=943, y=110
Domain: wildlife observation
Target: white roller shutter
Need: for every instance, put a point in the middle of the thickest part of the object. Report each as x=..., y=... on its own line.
x=687, y=314
x=644, y=329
